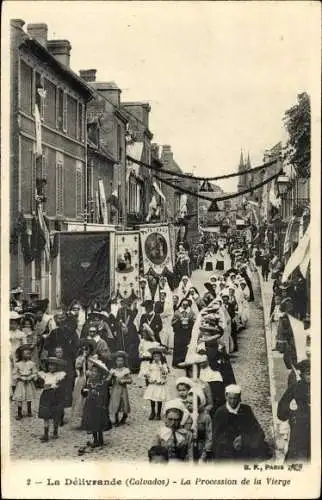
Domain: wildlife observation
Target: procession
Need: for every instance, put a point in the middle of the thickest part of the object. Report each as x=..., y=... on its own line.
x=157, y=313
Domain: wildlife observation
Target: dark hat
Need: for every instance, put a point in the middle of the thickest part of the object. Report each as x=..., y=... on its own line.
x=120, y=354
x=88, y=343
x=60, y=363
x=25, y=347
x=304, y=365
x=148, y=303
x=28, y=316
x=33, y=294
x=157, y=348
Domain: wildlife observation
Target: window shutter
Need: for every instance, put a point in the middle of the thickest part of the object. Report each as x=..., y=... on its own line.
x=64, y=112
x=44, y=174
x=59, y=184
x=79, y=189
x=33, y=180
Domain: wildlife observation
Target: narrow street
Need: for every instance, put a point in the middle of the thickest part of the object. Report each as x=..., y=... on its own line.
x=131, y=441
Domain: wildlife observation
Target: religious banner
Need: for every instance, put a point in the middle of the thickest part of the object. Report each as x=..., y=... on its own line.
x=127, y=263
x=156, y=250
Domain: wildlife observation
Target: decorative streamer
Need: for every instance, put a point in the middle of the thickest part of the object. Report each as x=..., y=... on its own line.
x=187, y=176
x=220, y=198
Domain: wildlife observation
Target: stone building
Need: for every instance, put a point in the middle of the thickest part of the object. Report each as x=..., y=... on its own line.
x=107, y=125
x=47, y=151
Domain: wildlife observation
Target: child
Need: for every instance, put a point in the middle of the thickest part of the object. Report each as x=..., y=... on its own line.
x=81, y=367
x=172, y=436
x=121, y=377
x=158, y=455
x=95, y=415
x=146, y=343
x=27, y=327
x=183, y=386
x=203, y=426
x=51, y=403
x=17, y=338
x=157, y=378
x=25, y=374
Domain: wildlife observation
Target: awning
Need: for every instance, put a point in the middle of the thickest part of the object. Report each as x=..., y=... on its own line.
x=135, y=151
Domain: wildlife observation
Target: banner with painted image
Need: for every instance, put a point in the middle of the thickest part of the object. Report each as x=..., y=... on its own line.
x=156, y=249
x=127, y=263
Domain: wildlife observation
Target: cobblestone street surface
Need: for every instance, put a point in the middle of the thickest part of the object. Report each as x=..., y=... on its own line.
x=131, y=441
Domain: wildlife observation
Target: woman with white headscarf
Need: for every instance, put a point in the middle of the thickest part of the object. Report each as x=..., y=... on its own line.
x=184, y=287
x=243, y=299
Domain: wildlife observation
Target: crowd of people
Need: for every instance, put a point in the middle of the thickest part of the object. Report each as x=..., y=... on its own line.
x=290, y=322
x=85, y=360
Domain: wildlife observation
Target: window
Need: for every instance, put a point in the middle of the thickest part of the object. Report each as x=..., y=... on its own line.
x=44, y=175
x=50, y=103
x=132, y=194
x=26, y=80
x=59, y=108
x=39, y=87
x=80, y=118
x=71, y=117
x=59, y=184
x=65, y=104
x=79, y=189
x=119, y=143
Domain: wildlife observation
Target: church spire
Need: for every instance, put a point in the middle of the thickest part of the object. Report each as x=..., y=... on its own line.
x=241, y=161
x=248, y=164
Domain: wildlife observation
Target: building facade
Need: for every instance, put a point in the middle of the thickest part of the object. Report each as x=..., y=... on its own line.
x=107, y=125
x=48, y=147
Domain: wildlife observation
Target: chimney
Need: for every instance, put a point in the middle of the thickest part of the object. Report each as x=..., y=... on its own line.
x=17, y=23
x=39, y=32
x=110, y=91
x=60, y=49
x=89, y=75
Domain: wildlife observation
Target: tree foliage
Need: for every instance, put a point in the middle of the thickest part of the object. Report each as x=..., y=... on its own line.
x=297, y=121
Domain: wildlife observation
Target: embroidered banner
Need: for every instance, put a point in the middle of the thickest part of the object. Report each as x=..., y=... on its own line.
x=156, y=250
x=127, y=263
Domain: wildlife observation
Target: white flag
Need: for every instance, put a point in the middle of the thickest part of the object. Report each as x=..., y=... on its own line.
x=102, y=198
x=305, y=262
x=274, y=200
x=300, y=255
x=45, y=231
x=299, y=335
x=158, y=190
x=38, y=132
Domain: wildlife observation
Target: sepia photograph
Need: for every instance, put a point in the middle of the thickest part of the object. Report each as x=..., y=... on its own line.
x=158, y=274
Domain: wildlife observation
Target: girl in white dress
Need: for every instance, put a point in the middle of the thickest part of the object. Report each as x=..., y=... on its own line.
x=157, y=376
x=25, y=375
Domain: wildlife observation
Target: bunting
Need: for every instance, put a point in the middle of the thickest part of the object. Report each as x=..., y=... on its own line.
x=299, y=258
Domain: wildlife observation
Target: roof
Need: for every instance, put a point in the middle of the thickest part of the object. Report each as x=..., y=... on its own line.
x=67, y=73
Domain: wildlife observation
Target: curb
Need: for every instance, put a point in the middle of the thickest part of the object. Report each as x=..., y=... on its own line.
x=280, y=430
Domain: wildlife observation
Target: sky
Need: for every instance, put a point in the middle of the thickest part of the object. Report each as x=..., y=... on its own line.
x=218, y=75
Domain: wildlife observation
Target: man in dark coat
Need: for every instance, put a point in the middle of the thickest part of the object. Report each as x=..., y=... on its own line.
x=127, y=336
x=151, y=320
x=295, y=407
x=237, y=433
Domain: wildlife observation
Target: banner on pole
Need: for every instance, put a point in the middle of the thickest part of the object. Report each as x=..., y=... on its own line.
x=127, y=264
x=156, y=250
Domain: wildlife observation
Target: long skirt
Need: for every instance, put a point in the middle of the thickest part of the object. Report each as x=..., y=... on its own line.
x=78, y=399
x=95, y=416
x=220, y=265
x=182, y=338
x=119, y=401
x=51, y=404
x=25, y=391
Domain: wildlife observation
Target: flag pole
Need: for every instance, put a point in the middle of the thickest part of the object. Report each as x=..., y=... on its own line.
x=195, y=410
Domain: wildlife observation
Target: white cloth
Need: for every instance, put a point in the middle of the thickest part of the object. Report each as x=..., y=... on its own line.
x=209, y=375
x=52, y=378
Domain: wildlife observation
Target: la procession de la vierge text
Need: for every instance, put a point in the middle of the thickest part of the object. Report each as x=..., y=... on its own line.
x=132, y=481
